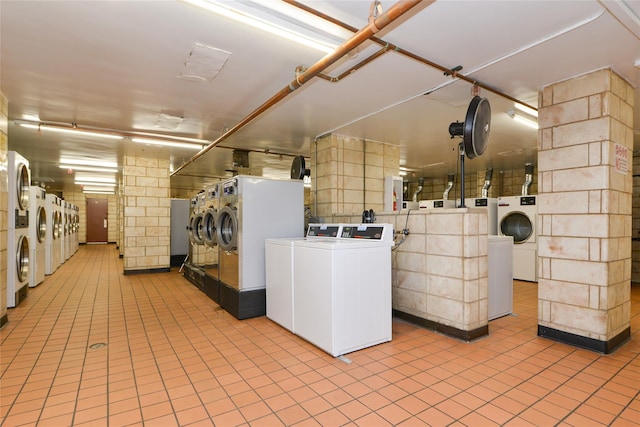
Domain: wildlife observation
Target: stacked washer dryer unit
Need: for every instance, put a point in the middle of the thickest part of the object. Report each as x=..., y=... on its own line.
x=37, y=233
x=253, y=209
x=18, y=248
x=52, y=246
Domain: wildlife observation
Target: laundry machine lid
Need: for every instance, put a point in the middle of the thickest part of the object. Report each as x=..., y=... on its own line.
x=227, y=228
x=22, y=258
x=518, y=225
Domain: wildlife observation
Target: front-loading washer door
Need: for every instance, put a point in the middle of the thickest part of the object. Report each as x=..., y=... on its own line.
x=22, y=259
x=23, y=182
x=518, y=225
x=196, y=230
x=41, y=224
x=227, y=228
x=209, y=227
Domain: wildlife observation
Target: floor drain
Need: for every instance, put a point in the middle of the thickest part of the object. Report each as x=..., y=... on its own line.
x=98, y=345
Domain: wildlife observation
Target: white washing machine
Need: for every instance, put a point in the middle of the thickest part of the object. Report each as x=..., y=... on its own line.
x=38, y=226
x=52, y=246
x=491, y=205
x=279, y=263
x=436, y=204
x=61, y=236
x=18, y=248
x=342, y=296
x=517, y=217
x=253, y=209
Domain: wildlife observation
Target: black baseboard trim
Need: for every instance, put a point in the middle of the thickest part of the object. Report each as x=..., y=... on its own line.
x=605, y=347
x=211, y=287
x=243, y=304
x=3, y=321
x=443, y=329
x=147, y=271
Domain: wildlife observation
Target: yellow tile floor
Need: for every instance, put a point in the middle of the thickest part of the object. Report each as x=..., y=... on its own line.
x=167, y=355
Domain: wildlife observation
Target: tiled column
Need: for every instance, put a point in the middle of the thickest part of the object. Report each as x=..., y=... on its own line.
x=348, y=174
x=147, y=219
x=585, y=192
x=4, y=221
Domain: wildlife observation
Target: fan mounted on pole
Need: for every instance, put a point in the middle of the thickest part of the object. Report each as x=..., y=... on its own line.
x=474, y=132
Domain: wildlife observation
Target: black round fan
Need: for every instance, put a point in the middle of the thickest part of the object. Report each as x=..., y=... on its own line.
x=476, y=127
x=474, y=132
x=298, y=170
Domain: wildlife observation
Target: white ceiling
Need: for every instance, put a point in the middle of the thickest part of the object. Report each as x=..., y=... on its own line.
x=114, y=65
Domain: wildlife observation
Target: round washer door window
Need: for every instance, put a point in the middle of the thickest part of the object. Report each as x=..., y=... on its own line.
x=23, y=182
x=41, y=224
x=22, y=259
x=517, y=225
x=227, y=229
x=209, y=227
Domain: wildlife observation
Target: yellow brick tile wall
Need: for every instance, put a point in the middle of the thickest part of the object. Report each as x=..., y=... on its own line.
x=4, y=222
x=348, y=174
x=147, y=206
x=585, y=205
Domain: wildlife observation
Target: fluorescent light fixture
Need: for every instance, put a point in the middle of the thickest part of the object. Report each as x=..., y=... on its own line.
x=276, y=18
x=527, y=110
x=403, y=173
x=84, y=162
x=521, y=119
x=167, y=143
x=87, y=168
x=95, y=178
x=95, y=183
x=69, y=130
x=92, y=191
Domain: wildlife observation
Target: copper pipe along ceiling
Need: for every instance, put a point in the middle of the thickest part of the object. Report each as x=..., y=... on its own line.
x=388, y=47
x=386, y=18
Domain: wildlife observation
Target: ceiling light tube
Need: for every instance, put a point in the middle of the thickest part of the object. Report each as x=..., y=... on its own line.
x=69, y=130
x=166, y=143
x=521, y=119
x=87, y=168
x=83, y=162
x=106, y=179
x=223, y=9
x=99, y=191
x=96, y=183
x=527, y=110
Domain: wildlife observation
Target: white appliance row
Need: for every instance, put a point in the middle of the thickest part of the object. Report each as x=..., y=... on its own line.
x=42, y=231
x=333, y=288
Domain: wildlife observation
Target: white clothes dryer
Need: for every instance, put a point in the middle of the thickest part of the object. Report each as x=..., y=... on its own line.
x=18, y=248
x=67, y=230
x=52, y=246
x=517, y=217
x=38, y=225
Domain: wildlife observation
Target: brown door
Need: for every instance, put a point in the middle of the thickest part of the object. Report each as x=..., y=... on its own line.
x=97, y=231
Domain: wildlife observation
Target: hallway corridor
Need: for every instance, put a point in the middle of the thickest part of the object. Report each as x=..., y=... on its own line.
x=92, y=347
